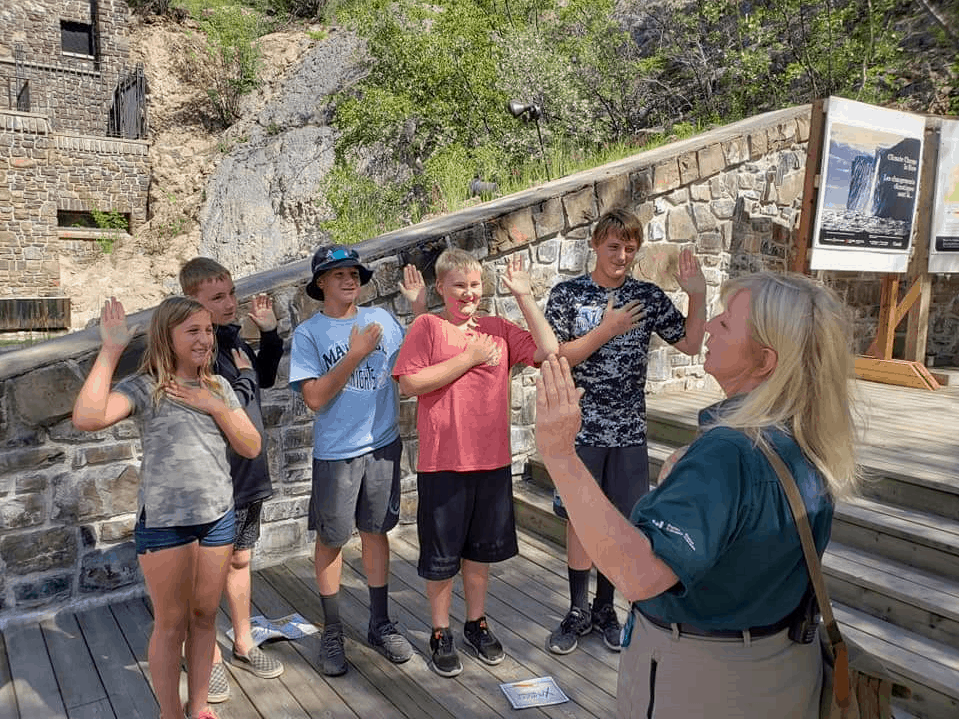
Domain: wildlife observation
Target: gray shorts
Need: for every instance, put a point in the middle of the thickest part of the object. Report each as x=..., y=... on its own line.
x=621, y=472
x=364, y=490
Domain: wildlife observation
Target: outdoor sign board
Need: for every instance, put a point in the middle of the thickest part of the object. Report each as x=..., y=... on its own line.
x=944, y=232
x=868, y=188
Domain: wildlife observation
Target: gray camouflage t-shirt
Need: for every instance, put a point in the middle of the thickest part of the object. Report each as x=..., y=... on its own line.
x=614, y=376
x=185, y=473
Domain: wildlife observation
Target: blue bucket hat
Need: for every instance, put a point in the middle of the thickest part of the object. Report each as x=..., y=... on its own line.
x=331, y=257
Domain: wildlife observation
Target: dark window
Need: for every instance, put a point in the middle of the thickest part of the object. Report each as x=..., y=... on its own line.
x=82, y=218
x=76, y=37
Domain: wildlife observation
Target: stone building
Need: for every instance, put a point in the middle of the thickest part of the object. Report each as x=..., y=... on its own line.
x=72, y=123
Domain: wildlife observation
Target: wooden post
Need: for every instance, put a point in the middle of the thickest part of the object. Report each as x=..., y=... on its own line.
x=917, y=325
x=803, y=240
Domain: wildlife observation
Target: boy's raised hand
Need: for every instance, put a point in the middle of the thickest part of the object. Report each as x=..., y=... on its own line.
x=114, y=332
x=364, y=341
x=622, y=319
x=690, y=275
x=261, y=312
x=412, y=286
x=516, y=278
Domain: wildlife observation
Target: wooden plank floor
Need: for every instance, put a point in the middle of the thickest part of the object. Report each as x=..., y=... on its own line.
x=905, y=431
x=92, y=664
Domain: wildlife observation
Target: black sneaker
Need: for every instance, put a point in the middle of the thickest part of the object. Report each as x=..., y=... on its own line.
x=606, y=623
x=332, y=655
x=446, y=660
x=565, y=638
x=388, y=640
x=477, y=635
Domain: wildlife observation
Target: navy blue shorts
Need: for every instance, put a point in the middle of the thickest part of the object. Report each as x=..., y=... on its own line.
x=217, y=533
x=464, y=515
x=621, y=472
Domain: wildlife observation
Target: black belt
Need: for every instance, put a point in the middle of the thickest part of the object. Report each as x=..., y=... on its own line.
x=690, y=630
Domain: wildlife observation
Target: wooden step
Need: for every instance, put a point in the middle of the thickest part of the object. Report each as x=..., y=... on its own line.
x=918, y=601
x=928, y=668
x=917, y=539
x=905, y=462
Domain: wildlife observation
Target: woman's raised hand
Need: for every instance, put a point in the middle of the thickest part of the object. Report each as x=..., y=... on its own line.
x=558, y=416
x=114, y=332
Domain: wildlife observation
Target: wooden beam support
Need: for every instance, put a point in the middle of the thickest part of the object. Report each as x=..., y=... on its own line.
x=803, y=239
x=917, y=326
x=903, y=373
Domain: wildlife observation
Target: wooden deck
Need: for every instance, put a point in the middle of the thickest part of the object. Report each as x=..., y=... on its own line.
x=93, y=664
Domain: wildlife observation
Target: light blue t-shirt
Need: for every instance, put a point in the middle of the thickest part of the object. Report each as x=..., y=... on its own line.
x=363, y=415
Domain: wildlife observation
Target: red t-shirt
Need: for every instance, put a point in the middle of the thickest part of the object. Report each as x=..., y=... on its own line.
x=464, y=425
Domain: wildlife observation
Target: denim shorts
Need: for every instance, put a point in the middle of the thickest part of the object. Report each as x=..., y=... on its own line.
x=212, y=534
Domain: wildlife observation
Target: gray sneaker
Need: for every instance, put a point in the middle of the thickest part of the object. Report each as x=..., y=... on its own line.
x=219, y=690
x=565, y=638
x=388, y=640
x=605, y=622
x=261, y=664
x=332, y=655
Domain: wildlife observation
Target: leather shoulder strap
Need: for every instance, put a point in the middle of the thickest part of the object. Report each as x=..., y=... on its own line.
x=801, y=518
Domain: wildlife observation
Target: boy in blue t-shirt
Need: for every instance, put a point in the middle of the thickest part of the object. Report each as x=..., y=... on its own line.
x=341, y=360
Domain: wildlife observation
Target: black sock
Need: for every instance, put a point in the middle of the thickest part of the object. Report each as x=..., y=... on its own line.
x=579, y=587
x=379, y=613
x=331, y=609
x=604, y=591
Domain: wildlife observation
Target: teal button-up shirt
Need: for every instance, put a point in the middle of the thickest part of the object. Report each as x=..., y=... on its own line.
x=722, y=523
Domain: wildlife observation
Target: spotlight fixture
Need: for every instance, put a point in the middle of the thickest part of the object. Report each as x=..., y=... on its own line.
x=530, y=111
x=518, y=109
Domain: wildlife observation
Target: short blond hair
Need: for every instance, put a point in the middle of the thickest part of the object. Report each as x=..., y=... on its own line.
x=456, y=259
x=199, y=270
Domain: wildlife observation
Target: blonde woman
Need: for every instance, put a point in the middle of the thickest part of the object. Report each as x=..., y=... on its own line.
x=185, y=526
x=711, y=559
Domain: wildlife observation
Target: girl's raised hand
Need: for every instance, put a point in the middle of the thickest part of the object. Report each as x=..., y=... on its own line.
x=196, y=396
x=516, y=277
x=114, y=332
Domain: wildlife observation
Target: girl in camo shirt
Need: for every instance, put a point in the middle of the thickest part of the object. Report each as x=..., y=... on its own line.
x=185, y=526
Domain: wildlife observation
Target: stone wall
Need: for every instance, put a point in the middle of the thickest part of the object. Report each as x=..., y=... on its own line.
x=73, y=90
x=69, y=499
x=42, y=172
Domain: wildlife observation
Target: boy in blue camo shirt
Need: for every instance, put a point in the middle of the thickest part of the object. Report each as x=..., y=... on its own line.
x=604, y=321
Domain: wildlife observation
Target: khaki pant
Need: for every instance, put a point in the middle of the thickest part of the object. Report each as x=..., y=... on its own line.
x=665, y=675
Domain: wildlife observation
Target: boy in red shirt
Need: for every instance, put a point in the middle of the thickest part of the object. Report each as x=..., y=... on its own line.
x=458, y=366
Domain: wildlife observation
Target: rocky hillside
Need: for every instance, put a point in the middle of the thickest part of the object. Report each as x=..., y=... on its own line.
x=249, y=191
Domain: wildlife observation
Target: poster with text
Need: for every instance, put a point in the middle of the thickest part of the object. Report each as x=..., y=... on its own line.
x=869, y=181
x=944, y=233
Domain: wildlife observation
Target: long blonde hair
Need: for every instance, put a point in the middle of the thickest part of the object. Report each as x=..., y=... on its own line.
x=158, y=360
x=808, y=394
